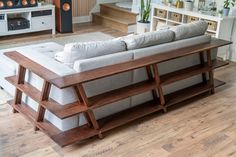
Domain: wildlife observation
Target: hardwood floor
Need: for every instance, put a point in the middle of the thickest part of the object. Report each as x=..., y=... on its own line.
x=202, y=128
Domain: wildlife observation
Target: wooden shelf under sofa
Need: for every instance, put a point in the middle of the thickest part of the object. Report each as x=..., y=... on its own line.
x=86, y=105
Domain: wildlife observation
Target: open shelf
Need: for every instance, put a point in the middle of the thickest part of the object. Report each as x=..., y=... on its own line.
x=190, y=92
x=186, y=93
x=26, y=88
x=48, y=128
x=218, y=83
x=121, y=93
x=74, y=135
x=61, y=111
x=219, y=63
x=24, y=109
x=129, y=115
x=64, y=111
x=183, y=74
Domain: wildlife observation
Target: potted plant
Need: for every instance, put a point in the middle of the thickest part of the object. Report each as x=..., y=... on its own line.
x=227, y=4
x=188, y=5
x=220, y=13
x=143, y=25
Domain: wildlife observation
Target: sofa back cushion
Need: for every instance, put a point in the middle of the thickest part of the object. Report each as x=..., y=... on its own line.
x=189, y=30
x=148, y=39
x=84, y=50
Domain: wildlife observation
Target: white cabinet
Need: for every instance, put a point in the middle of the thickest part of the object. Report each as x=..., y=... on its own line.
x=40, y=18
x=165, y=16
x=41, y=23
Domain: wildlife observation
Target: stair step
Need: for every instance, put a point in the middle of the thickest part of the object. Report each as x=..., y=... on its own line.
x=111, y=10
x=61, y=111
x=120, y=24
x=121, y=93
x=116, y=19
x=114, y=7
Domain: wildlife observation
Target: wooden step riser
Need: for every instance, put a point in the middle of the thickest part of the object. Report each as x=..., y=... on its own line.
x=115, y=25
x=117, y=13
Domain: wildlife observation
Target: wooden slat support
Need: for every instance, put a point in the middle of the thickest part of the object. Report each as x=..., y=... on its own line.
x=159, y=87
x=89, y=115
x=44, y=96
x=20, y=80
x=202, y=60
x=89, y=123
x=150, y=77
x=211, y=72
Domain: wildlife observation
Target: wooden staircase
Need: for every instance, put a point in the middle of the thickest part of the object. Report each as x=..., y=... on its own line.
x=116, y=17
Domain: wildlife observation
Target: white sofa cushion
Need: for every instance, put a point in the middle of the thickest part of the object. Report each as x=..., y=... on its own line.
x=84, y=50
x=148, y=39
x=189, y=30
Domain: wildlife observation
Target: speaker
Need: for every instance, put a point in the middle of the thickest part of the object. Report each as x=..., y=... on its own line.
x=64, y=16
x=12, y=4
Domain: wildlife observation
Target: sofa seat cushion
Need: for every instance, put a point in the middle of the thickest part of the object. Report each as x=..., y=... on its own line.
x=44, y=55
x=84, y=50
x=48, y=49
x=148, y=39
x=189, y=30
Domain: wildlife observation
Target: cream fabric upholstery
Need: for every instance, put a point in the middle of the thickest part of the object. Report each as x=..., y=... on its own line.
x=148, y=39
x=189, y=30
x=84, y=50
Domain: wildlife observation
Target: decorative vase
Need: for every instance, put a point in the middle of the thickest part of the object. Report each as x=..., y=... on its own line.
x=143, y=27
x=188, y=5
x=226, y=11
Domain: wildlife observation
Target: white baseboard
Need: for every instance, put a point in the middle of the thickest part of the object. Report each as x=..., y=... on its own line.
x=82, y=19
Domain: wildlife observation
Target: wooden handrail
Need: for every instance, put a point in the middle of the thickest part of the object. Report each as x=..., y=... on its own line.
x=69, y=80
x=73, y=79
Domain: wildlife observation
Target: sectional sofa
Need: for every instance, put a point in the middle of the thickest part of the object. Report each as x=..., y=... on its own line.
x=79, y=57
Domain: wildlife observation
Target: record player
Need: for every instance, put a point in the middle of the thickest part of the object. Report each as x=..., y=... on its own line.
x=18, y=23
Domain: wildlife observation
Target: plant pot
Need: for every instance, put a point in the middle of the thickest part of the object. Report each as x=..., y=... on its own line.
x=188, y=5
x=143, y=27
x=39, y=4
x=226, y=11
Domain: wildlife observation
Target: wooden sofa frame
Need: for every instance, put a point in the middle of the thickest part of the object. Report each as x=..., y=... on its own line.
x=86, y=105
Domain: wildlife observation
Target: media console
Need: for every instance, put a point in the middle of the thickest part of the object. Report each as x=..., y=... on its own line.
x=26, y=20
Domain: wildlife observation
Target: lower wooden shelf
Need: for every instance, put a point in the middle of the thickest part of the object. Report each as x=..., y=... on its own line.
x=24, y=109
x=129, y=115
x=84, y=132
x=186, y=93
x=219, y=63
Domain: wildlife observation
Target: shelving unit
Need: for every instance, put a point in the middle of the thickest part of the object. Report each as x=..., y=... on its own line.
x=40, y=18
x=218, y=27
x=85, y=104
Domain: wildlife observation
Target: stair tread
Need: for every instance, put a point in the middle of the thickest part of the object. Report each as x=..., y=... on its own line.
x=116, y=19
x=113, y=6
